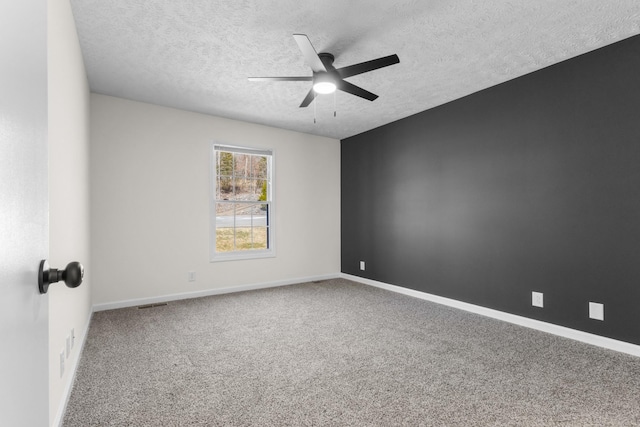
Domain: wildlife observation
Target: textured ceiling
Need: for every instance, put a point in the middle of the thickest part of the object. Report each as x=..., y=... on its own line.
x=197, y=54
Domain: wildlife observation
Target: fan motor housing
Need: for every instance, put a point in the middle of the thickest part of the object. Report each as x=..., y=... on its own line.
x=327, y=59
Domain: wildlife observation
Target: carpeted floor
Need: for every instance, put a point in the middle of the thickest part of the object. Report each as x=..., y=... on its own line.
x=344, y=354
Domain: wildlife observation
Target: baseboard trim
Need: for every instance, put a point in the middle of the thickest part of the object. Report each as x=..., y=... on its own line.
x=585, y=337
x=208, y=292
x=66, y=394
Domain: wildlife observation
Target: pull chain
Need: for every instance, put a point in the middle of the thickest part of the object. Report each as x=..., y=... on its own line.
x=315, y=108
x=334, y=103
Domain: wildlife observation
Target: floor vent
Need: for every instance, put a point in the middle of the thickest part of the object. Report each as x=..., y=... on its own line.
x=160, y=304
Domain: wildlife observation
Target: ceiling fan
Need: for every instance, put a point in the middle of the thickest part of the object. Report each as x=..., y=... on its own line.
x=326, y=78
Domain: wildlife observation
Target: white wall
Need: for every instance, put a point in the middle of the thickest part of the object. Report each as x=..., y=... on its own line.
x=150, y=202
x=68, y=195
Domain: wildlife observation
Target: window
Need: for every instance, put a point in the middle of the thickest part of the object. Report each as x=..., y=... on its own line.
x=242, y=203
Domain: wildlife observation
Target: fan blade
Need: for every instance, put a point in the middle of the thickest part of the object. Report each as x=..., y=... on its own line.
x=309, y=53
x=280, y=79
x=308, y=99
x=363, y=67
x=356, y=90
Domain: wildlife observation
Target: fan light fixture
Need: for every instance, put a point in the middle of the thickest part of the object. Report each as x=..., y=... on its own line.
x=323, y=83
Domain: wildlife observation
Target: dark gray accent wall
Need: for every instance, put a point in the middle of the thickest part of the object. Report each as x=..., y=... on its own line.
x=531, y=185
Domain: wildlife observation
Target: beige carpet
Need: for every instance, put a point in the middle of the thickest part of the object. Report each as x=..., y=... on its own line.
x=340, y=353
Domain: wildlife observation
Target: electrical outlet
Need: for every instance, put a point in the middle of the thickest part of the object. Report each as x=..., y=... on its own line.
x=192, y=276
x=596, y=311
x=68, y=345
x=362, y=265
x=537, y=299
x=61, y=363
x=73, y=337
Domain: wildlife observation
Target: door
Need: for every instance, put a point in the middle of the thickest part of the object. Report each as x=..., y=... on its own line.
x=24, y=323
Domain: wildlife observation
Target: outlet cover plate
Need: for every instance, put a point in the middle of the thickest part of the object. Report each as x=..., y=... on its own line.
x=61, y=363
x=192, y=276
x=362, y=265
x=596, y=311
x=537, y=299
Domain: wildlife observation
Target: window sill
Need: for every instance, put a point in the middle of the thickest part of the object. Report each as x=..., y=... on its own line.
x=244, y=255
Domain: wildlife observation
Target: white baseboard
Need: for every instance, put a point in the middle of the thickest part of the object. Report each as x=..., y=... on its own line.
x=66, y=394
x=208, y=292
x=585, y=337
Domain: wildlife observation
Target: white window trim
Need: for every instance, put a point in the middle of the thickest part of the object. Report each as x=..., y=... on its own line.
x=239, y=255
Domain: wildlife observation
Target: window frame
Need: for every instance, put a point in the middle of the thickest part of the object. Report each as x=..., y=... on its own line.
x=270, y=252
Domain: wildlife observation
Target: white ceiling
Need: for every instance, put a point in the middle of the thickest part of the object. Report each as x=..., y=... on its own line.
x=197, y=54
